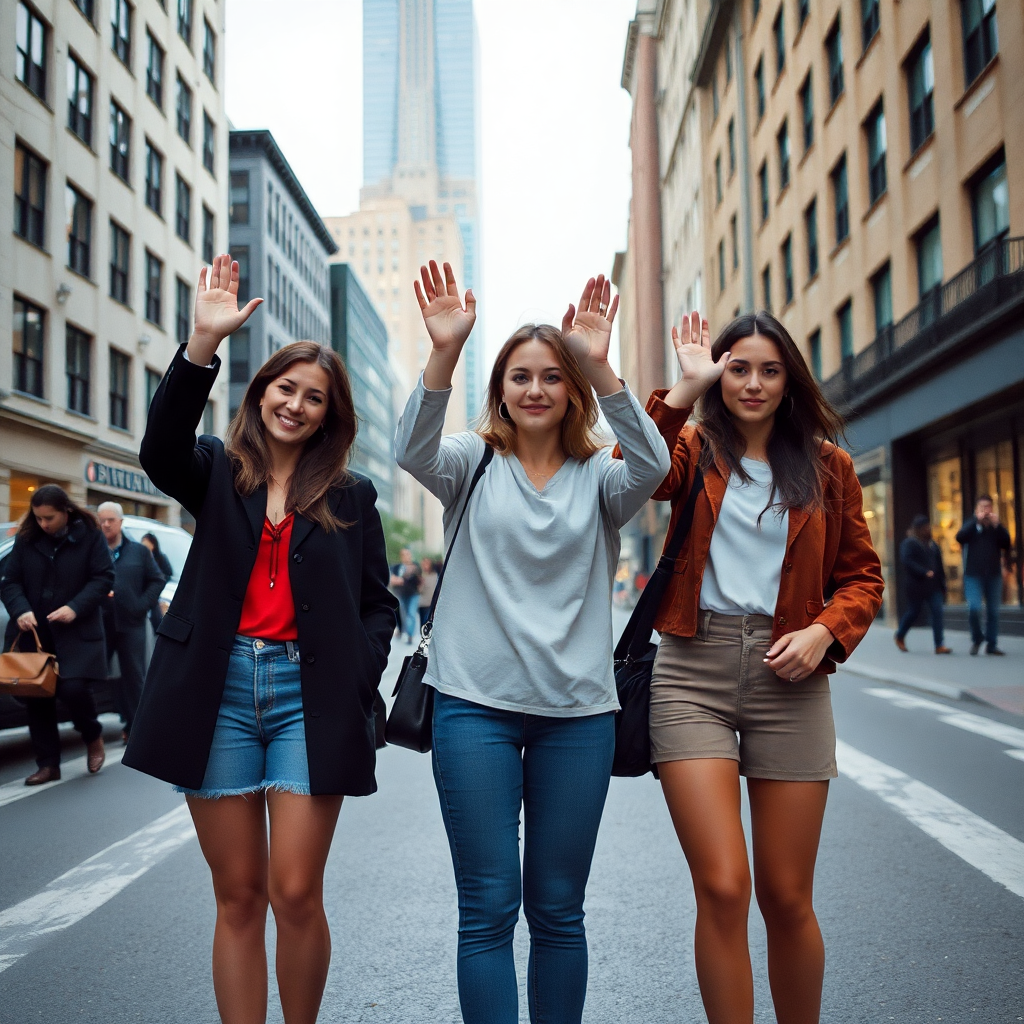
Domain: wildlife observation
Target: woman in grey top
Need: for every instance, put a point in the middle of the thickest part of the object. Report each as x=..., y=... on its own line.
x=521, y=657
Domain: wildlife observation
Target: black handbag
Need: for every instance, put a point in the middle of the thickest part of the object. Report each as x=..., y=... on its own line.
x=410, y=723
x=634, y=654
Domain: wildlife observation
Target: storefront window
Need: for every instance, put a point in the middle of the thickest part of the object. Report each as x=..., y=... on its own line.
x=994, y=476
x=945, y=504
x=22, y=488
x=875, y=514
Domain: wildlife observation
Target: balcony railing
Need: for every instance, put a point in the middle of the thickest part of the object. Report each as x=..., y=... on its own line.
x=992, y=280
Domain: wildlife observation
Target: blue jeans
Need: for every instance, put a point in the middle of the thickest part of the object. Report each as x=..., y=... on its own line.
x=488, y=764
x=989, y=588
x=410, y=604
x=934, y=603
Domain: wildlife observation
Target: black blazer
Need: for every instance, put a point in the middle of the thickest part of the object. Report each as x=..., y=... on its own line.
x=918, y=559
x=137, y=583
x=40, y=578
x=339, y=581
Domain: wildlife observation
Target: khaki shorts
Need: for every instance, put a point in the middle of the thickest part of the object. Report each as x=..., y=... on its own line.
x=708, y=688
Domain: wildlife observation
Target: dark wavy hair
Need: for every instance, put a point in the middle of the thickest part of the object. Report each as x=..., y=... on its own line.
x=802, y=426
x=324, y=459
x=54, y=496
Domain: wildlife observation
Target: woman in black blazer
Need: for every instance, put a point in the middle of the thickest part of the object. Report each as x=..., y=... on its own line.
x=55, y=581
x=262, y=691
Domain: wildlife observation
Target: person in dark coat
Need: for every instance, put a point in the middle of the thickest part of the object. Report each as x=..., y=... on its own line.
x=137, y=586
x=925, y=582
x=262, y=689
x=54, y=580
x=163, y=563
x=987, y=545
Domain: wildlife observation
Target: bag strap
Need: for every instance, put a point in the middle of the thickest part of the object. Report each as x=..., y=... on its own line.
x=428, y=624
x=637, y=634
x=20, y=634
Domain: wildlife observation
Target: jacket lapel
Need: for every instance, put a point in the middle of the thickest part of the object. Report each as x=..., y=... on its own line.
x=797, y=519
x=301, y=529
x=256, y=510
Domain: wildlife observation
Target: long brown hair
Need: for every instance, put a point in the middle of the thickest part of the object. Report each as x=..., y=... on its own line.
x=803, y=422
x=322, y=464
x=55, y=497
x=578, y=438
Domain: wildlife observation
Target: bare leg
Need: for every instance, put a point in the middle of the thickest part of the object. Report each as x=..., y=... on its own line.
x=703, y=798
x=786, y=819
x=301, y=830
x=232, y=833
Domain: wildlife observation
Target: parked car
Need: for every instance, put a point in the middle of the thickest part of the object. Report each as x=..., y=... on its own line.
x=174, y=543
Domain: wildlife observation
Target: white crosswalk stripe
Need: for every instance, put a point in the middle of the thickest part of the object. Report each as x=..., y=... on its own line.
x=73, y=769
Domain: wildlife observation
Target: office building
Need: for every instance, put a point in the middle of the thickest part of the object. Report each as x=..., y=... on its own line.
x=114, y=152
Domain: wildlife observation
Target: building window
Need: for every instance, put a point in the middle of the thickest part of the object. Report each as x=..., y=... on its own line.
x=834, y=49
x=766, y=286
x=869, y=21
x=920, y=87
x=185, y=21
x=209, y=239
x=120, y=141
x=182, y=310
x=29, y=196
x=981, y=38
x=875, y=128
x=30, y=50
x=787, y=269
x=79, y=225
x=841, y=199
x=154, y=288
x=209, y=51
x=803, y=10
x=239, y=197
x=153, y=380
x=718, y=179
x=844, y=317
x=121, y=29
x=807, y=109
x=183, y=208
x=735, y=242
x=732, y=146
x=811, y=230
x=28, y=348
x=155, y=72
x=154, y=179
x=238, y=357
x=241, y=255
x=929, y=257
x=814, y=344
x=78, y=359
x=990, y=204
x=87, y=9
x=721, y=265
x=80, y=91
x=759, y=86
x=209, y=134
x=779, y=32
x=120, y=260
x=183, y=106
x=762, y=179
x=881, y=292
x=120, y=378
x=783, y=143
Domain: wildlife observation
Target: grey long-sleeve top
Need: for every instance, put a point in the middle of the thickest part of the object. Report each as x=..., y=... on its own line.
x=524, y=621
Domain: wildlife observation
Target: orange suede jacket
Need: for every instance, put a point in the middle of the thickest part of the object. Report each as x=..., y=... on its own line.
x=831, y=573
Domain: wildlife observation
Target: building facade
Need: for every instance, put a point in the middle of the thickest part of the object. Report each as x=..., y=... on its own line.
x=864, y=179
x=359, y=336
x=113, y=145
x=282, y=248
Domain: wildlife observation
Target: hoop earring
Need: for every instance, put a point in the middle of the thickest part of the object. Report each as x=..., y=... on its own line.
x=503, y=412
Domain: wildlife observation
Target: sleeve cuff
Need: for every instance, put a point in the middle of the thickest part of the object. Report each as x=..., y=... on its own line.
x=664, y=414
x=184, y=352
x=428, y=391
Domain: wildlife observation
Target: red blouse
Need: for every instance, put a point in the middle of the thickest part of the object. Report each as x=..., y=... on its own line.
x=268, y=610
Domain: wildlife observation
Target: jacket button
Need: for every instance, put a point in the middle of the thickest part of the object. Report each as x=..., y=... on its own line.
x=788, y=566
x=310, y=659
x=296, y=557
x=305, y=607
x=782, y=620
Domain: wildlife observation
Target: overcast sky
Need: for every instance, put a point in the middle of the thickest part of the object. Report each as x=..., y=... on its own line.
x=555, y=131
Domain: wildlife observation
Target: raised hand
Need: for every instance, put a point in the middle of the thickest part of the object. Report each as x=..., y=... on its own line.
x=217, y=313
x=692, y=344
x=588, y=330
x=447, y=322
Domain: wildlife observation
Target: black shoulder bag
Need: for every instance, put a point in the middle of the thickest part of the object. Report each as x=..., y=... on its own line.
x=634, y=654
x=410, y=723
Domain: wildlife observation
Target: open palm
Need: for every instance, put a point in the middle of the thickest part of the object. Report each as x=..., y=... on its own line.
x=447, y=322
x=588, y=330
x=692, y=342
x=217, y=313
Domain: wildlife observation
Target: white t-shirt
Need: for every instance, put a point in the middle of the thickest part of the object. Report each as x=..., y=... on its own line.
x=744, y=564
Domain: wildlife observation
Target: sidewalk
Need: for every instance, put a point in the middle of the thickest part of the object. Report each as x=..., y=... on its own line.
x=990, y=680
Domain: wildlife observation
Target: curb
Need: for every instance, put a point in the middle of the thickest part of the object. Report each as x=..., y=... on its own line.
x=919, y=683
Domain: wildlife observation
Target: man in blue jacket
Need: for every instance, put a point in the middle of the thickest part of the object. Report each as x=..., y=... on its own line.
x=988, y=546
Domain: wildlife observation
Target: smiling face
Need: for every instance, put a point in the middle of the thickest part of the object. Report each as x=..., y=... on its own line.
x=533, y=387
x=294, y=405
x=754, y=382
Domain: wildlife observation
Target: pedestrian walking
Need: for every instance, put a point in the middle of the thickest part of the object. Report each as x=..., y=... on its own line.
x=776, y=582
x=163, y=563
x=429, y=569
x=406, y=580
x=54, y=581
x=987, y=543
x=926, y=582
x=521, y=653
x=262, y=690
x=137, y=586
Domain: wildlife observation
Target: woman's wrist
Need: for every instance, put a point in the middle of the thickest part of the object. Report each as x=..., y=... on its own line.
x=683, y=395
x=439, y=371
x=603, y=379
x=202, y=348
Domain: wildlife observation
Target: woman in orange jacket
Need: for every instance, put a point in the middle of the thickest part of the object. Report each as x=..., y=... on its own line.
x=776, y=582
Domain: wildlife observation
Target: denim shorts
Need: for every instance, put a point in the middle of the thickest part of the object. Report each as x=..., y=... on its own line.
x=260, y=739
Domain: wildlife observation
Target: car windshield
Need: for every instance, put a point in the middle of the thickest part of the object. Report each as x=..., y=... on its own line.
x=173, y=543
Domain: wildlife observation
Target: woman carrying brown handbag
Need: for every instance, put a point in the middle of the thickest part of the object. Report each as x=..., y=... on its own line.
x=55, y=580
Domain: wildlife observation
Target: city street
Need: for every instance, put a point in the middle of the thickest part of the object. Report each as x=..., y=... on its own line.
x=106, y=912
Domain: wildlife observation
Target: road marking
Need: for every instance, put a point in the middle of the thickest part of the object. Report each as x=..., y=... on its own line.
x=997, y=731
x=973, y=839
x=85, y=888
x=74, y=769
x=1018, y=754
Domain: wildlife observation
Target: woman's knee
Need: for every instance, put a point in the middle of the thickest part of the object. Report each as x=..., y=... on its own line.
x=295, y=898
x=241, y=901
x=784, y=907
x=724, y=893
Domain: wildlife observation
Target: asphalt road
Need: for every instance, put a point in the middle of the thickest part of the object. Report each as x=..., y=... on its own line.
x=106, y=910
